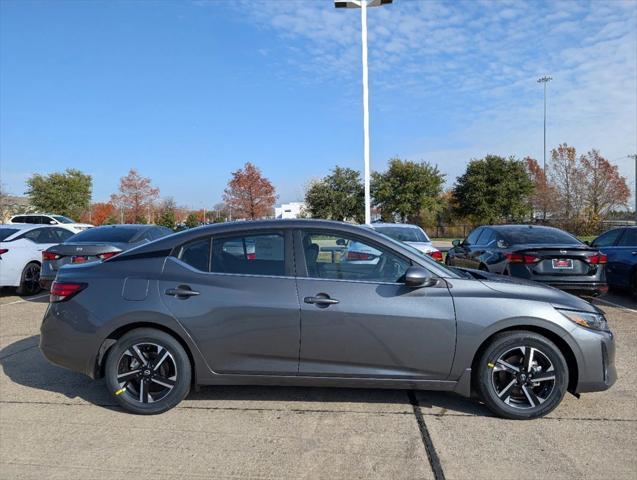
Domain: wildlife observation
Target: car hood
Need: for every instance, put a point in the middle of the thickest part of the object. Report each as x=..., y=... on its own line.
x=424, y=247
x=525, y=289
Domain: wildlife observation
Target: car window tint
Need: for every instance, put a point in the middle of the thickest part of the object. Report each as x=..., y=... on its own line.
x=18, y=220
x=196, y=254
x=251, y=254
x=404, y=234
x=607, y=239
x=6, y=233
x=486, y=237
x=473, y=236
x=42, y=235
x=629, y=239
x=340, y=257
x=63, y=234
x=534, y=235
x=107, y=234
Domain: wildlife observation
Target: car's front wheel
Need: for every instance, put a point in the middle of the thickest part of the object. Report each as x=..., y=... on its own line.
x=521, y=375
x=148, y=371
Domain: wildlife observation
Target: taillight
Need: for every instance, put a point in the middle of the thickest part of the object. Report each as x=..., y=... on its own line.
x=357, y=256
x=251, y=256
x=107, y=255
x=520, y=258
x=597, y=259
x=436, y=255
x=61, y=291
x=3, y=250
x=50, y=256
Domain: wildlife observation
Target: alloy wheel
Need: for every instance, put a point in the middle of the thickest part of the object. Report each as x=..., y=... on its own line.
x=523, y=377
x=146, y=372
x=31, y=279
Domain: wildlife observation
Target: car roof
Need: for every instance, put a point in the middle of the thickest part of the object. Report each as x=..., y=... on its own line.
x=27, y=226
x=388, y=224
x=520, y=225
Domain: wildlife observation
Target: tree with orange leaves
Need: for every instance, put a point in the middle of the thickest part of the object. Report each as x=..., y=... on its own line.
x=135, y=198
x=543, y=198
x=249, y=194
x=605, y=188
x=99, y=213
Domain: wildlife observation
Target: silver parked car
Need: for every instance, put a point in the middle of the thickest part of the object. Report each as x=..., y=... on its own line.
x=264, y=303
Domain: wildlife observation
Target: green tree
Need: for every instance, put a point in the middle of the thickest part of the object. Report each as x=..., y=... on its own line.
x=338, y=196
x=167, y=214
x=407, y=188
x=65, y=193
x=192, y=220
x=493, y=189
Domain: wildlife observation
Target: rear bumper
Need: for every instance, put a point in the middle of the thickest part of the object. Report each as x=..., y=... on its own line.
x=590, y=289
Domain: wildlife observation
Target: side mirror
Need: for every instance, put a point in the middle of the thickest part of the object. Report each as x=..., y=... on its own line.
x=419, y=277
x=52, y=222
x=456, y=243
x=341, y=242
x=588, y=242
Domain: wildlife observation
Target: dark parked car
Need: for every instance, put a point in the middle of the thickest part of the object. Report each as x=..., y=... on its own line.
x=187, y=310
x=542, y=254
x=620, y=246
x=99, y=243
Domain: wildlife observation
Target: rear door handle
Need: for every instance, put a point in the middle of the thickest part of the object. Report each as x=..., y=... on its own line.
x=321, y=301
x=183, y=292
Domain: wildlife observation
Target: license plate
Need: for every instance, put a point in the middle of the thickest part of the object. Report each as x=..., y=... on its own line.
x=563, y=264
x=79, y=259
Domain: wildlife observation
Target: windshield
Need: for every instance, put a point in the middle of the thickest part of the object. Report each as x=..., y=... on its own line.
x=6, y=233
x=404, y=234
x=62, y=219
x=423, y=256
x=537, y=236
x=105, y=234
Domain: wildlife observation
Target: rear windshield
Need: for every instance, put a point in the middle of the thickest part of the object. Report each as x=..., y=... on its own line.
x=108, y=234
x=404, y=234
x=537, y=236
x=62, y=219
x=6, y=233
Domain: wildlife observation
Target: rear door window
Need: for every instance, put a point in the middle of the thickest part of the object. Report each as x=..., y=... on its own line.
x=42, y=235
x=608, y=239
x=473, y=237
x=629, y=239
x=62, y=234
x=262, y=254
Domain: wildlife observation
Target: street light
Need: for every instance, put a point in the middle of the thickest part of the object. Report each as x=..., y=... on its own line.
x=545, y=79
x=363, y=4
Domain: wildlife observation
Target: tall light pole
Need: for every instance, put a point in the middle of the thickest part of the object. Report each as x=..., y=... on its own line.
x=545, y=79
x=363, y=4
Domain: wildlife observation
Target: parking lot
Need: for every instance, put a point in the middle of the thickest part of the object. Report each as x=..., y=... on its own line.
x=59, y=424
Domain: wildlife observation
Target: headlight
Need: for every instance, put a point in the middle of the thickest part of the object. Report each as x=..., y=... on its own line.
x=596, y=321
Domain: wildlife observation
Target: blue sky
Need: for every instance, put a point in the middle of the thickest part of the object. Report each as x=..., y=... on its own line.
x=188, y=91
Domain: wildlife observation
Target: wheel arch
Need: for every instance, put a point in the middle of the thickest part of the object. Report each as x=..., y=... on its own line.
x=112, y=338
x=565, y=349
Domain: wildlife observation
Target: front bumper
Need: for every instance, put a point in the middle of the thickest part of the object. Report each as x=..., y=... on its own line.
x=596, y=362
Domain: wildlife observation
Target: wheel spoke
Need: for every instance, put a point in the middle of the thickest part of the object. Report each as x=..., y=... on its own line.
x=543, y=377
x=143, y=391
x=502, y=365
x=533, y=400
x=124, y=377
x=139, y=355
x=162, y=354
x=504, y=393
x=528, y=358
x=163, y=381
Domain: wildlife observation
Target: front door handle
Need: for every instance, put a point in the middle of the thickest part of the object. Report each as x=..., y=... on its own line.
x=321, y=300
x=181, y=292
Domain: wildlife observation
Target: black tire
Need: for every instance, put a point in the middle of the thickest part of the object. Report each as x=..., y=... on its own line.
x=633, y=286
x=483, y=268
x=511, y=394
x=173, y=368
x=29, y=280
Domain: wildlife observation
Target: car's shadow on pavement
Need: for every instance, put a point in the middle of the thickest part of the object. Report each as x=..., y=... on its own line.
x=25, y=365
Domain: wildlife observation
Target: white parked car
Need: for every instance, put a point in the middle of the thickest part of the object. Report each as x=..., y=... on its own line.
x=411, y=235
x=21, y=247
x=50, y=219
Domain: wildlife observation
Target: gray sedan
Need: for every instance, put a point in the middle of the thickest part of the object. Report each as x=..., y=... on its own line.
x=273, y=303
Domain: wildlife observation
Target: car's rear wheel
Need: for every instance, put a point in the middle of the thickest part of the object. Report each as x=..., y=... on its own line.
x=633, y=286
x=521, y=375
x=29, y=280
x=148, y=371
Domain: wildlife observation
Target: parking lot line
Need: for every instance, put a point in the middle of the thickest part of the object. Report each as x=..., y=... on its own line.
x=616, y=305
x=26, y=299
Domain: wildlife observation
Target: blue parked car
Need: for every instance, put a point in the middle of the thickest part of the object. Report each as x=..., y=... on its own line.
x=620, y=245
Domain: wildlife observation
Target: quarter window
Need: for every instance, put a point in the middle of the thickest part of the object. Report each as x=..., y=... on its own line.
x=339, y=257
x=250, y=255
x=629, y=239
x=608, y=239
x=196, y=254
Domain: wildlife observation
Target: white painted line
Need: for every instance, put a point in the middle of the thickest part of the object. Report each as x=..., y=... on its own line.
x=24, y=300
x=617, y=305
